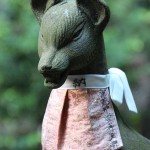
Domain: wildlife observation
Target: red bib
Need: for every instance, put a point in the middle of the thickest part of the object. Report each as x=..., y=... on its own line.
x=80, y=119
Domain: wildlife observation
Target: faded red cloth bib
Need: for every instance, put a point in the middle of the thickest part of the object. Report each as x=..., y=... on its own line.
x=80, y=119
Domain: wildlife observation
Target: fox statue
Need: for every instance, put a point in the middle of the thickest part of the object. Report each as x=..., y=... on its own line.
x=82, y=111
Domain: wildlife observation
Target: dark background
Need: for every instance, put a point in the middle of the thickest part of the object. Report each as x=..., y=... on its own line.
x=23, y=97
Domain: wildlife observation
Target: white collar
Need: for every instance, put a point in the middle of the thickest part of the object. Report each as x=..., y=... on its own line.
x=116, y=80
x=85, y=81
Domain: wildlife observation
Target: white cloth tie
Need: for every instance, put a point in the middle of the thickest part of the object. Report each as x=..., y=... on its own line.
x=116, y=80
x=119, y=87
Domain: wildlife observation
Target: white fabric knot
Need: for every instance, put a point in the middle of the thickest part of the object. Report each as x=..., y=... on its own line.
x=119, y=87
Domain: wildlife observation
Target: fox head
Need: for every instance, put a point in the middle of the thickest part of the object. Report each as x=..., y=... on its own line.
x=69, y=37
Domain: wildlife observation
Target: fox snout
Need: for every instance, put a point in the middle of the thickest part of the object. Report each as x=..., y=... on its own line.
x=45, y=63
x=54, y=68
x=45, y=69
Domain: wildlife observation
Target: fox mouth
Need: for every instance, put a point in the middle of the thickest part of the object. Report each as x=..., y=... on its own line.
x=55, y=79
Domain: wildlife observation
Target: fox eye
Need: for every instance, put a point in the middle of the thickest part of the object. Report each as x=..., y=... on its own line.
x=77, y=34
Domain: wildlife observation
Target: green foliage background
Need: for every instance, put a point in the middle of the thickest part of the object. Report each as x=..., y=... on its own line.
x=23, y=97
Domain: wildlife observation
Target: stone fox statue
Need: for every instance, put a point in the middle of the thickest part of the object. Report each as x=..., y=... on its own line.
x=79, y=114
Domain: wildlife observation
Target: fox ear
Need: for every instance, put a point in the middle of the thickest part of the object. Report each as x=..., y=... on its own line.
x=96, y=10
x=39, y=7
